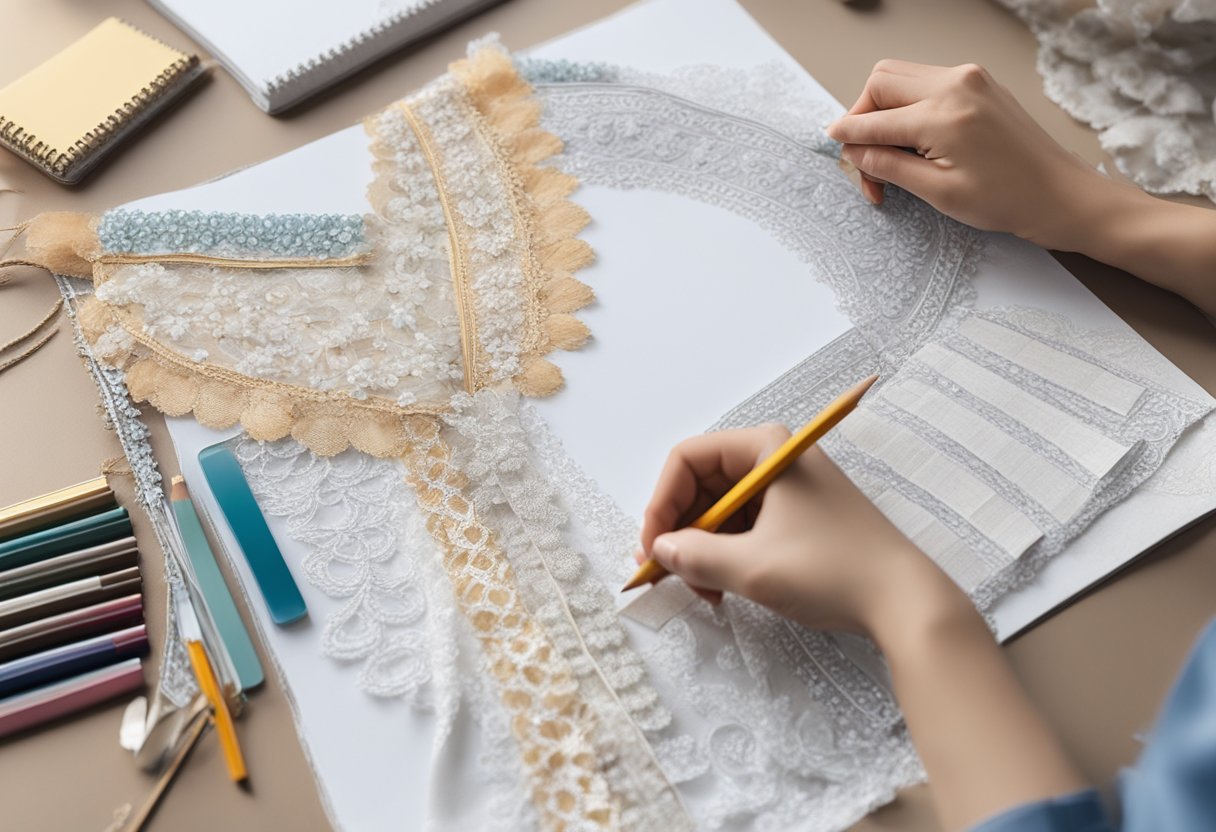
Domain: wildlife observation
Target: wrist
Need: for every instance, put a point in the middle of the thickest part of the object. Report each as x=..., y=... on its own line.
x=1083, y=209
x=921, y=602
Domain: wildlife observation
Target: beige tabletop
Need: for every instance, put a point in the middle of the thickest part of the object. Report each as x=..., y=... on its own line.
x=1099, y=669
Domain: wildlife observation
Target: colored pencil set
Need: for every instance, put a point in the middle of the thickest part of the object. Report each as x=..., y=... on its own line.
x=71, y=611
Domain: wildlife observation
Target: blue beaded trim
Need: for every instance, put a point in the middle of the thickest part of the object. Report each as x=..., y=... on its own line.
x=245, y=236
x=563, y=71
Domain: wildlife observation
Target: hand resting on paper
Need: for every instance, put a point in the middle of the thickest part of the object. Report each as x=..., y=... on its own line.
x=816, y=550
x=979, y=157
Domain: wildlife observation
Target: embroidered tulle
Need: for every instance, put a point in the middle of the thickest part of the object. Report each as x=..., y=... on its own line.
x=895, y=272
x=1143, y=74
x=328, y=330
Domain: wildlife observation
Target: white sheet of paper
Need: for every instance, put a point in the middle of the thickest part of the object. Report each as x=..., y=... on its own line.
x=697, y=309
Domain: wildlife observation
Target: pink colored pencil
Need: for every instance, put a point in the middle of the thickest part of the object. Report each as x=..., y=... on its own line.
x=49, y=702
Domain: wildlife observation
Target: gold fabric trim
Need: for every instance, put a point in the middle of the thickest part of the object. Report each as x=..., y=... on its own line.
x=231, y=262
x=552, y=723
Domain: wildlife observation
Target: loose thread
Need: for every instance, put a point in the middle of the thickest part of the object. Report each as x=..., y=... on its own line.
x=55, y=309
x=39, y=344
x=116, y=466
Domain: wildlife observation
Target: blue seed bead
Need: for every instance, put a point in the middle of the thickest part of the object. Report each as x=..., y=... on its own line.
x=125, y=231
x=564, y=71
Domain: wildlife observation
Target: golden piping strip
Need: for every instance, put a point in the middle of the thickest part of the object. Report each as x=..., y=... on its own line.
x=460, y=280
x=236, y=262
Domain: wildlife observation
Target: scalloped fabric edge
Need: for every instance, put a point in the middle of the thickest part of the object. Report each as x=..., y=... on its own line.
x=329, y=423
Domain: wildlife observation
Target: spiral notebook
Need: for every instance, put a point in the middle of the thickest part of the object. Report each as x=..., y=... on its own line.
x=66, y=114
x=284, y=51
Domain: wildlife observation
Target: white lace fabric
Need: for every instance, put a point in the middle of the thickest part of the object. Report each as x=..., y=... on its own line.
x=1143, y=73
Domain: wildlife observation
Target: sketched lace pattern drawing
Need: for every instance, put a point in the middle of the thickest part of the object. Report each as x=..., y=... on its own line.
x=896, y=272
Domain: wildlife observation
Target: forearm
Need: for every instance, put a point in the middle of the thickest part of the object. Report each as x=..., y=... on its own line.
x=983, y=743
x=1165, y=243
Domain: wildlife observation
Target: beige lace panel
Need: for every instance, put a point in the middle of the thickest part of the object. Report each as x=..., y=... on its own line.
x=469, y=285
x=555, y=727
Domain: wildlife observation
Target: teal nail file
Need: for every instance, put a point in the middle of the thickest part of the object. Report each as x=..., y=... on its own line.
x=236, y=501
x=68, y=537
x=215, y=592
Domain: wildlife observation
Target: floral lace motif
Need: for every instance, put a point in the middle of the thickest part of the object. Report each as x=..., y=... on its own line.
x=350, y=511
x=895, y=272
x=1144, y=75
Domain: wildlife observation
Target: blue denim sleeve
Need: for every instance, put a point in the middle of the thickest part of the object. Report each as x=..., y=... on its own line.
x=1171, y=788
x=1078, y=812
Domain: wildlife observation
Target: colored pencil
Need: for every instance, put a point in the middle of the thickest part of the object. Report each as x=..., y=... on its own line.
x=68, y=537
x=42, y=704
x=51, y=509
x=72, y=659
x=70, y=626
x=82, y=592
x=95, y=560
x=216, y=596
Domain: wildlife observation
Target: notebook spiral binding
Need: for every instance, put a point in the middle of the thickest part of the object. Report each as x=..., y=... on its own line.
x=28, y=145
x=380, y=37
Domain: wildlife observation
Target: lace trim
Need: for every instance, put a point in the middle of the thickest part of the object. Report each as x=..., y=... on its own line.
x=176, y=677
x=506, y=116
x=326, y=423
x=553, y=725
x=576, y=609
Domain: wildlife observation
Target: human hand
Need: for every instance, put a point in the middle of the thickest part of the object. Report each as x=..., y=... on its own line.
x=979, y=156
x=814, y=549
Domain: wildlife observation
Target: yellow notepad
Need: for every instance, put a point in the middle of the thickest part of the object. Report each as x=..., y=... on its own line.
x=65, y=114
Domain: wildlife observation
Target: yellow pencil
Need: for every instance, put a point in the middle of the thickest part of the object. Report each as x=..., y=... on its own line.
x=759, y=477
x=223, y=717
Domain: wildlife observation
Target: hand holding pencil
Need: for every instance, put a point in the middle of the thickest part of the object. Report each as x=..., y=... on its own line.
x=810, y=546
